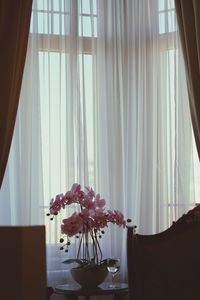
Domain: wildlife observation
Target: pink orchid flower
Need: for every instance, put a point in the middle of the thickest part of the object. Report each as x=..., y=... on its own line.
x=99, y=202
x=88, y=221
x=72, y=225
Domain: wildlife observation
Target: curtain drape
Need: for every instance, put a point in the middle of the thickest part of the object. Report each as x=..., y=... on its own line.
x=104, y=103
x=188, y=15
x=14, y=30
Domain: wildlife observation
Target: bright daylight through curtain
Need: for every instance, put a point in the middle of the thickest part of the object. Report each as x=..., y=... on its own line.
x=103, y=103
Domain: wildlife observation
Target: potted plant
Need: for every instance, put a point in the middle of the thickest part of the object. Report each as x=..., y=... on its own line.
x=87, y=224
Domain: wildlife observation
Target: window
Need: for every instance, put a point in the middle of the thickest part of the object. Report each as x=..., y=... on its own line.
x=67, y=35
x=167, y=19
x=54, y=17
x=53, y=23
x=170, y=65
x=54, y=107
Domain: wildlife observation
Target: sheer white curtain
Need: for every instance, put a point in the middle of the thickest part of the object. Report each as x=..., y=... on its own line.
x=21, y=194
x=104, y=103
x=145, y=150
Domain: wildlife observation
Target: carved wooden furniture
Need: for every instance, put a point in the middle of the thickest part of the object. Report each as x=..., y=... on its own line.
x=49, y=292
x=166, y=266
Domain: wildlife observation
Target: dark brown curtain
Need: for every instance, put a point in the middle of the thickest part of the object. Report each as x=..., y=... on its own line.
x=188, y=15
x=14, y=29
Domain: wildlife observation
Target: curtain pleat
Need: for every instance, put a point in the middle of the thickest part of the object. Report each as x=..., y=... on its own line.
x=14, y=29
x=188, y=15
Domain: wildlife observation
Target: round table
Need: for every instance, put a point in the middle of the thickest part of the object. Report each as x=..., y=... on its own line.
x=73, y=290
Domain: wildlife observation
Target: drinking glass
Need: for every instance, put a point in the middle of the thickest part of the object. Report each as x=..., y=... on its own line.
x=113, y=266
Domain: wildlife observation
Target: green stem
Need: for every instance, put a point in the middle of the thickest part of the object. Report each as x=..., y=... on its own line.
x=79, y=247
x=87, y=246
x=99, y=247
x=95, y=249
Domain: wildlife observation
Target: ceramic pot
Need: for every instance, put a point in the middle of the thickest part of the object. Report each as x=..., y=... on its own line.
x=89, y=278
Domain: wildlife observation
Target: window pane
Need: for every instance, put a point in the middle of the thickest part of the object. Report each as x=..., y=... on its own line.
x=43, y=4
x=44, y=20
x=161, y=4
x=57, y=5
x=56, y=24
x=162, y=23
x=65, y=24
x=88, y=6
x=52, y=5
x=171, y=21
x=85, y=63
x=167, y=16
x=87, y=26
x=170, y=4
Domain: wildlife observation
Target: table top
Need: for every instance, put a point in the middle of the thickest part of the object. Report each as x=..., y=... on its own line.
x=102, y=289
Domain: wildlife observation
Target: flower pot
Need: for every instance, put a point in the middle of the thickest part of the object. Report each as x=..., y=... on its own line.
x=89, y=278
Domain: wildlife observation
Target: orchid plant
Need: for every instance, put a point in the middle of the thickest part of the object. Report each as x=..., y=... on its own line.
x=86, y=224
